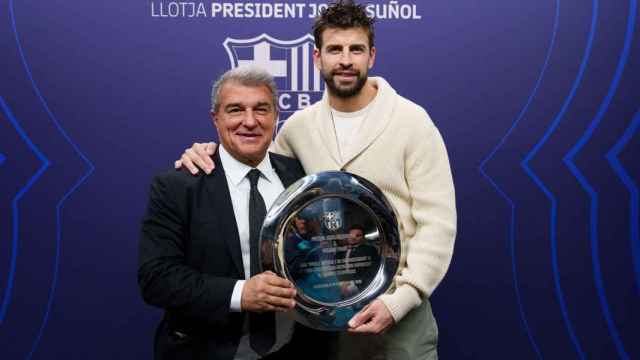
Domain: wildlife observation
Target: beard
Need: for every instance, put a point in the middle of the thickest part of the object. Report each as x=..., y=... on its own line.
x=344, y=92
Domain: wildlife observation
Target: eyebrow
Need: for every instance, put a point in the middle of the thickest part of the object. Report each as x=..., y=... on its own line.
x=360, y=46
x=263, y=103
x=240, y=105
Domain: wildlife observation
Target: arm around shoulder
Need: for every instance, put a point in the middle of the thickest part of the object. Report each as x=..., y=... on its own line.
x=283, y=143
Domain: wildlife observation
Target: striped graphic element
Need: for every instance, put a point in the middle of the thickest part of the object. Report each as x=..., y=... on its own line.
x=290, y=62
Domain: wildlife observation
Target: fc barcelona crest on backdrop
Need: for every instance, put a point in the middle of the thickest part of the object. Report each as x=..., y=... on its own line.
x=289, y=61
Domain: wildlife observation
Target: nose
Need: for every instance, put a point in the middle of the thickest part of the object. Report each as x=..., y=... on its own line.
x=250, y=121
x=345, y=59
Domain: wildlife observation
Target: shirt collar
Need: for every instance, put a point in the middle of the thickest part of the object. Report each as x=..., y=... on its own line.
x=237, y=171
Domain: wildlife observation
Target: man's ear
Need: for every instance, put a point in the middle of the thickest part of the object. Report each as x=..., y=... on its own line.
x=275, y=126
x=316, y=58
x=372, y=58
x=212, y=114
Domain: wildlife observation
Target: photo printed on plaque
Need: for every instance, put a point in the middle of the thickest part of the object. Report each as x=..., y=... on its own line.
x=332, y=249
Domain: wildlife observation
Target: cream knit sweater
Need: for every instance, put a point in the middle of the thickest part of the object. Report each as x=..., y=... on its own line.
x=399, y=149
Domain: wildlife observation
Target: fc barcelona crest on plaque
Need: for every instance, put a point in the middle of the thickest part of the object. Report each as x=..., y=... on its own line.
x=332, y=220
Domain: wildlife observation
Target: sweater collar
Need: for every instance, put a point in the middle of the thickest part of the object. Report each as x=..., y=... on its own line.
x=377, y=119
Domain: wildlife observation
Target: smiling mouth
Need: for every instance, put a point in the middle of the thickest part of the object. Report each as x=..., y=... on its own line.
x=249, y=136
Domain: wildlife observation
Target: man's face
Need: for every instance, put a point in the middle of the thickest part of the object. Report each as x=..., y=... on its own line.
x=355, y=236
x=344, y=60
x=245, y=121
x=301, y=225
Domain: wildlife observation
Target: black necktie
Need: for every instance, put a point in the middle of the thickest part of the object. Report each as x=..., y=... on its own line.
x=262, y=326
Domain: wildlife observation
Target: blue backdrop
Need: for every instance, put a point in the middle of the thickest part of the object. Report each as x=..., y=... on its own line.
x=538, y=103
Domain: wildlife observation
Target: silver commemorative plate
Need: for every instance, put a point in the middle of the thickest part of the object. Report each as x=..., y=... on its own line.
x=335, y=237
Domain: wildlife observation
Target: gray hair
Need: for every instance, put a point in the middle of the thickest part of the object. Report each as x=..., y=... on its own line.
x=247, y=76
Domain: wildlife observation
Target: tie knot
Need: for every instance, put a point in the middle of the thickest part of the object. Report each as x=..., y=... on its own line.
x=253, y=176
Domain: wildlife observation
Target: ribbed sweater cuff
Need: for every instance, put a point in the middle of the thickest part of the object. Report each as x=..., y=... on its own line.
x=404, y=299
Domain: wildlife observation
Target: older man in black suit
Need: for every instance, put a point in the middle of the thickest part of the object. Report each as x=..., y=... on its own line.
x=199, y=243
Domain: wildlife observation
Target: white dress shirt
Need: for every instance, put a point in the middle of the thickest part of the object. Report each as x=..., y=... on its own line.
x=269, y=186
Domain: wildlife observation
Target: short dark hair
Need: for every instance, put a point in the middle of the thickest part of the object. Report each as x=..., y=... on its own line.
x=343, y=15
x=357, y=227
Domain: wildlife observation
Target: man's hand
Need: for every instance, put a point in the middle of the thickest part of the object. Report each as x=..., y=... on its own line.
x=373, y=319
x=267, y=292
x=198, y=156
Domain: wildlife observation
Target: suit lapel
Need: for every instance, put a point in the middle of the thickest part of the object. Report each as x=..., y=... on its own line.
x=286, y=176
x=218, y=190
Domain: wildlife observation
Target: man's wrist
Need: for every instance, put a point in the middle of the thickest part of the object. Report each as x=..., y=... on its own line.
x=236, y=297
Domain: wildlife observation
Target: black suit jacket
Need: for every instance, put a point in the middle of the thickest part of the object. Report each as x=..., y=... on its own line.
x=190, y=260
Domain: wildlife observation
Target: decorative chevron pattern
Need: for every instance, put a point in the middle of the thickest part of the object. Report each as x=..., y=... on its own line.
x=568, y=160
x=632, y=187
x=60, y=204
x=549, y=193
x=6, y=299
x=512, y=206
x=593, y=195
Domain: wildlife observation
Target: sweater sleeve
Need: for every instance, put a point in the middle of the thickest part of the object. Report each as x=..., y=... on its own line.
x=282, y=144
x=432, y=199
